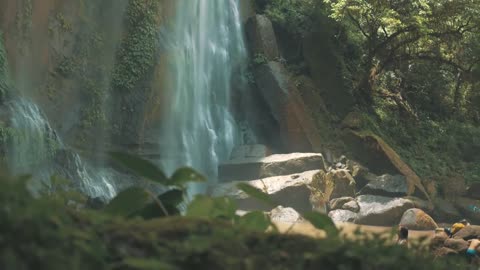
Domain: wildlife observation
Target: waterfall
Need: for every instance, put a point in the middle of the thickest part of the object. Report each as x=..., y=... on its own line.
x=34, y=148
x=206, y=49
x=33, y=144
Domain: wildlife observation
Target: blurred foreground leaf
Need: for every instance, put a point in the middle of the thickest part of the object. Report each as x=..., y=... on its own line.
x=128, y=202
x=140, y=167
x=256, y=221
x=322, y=222
x=256, y=193
x=204, y=206
x=186, y=175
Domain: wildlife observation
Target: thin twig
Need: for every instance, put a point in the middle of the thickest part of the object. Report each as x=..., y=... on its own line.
x=159, y=203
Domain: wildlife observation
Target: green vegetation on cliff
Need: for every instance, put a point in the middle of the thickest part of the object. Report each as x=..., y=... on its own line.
x=139, y=45
x=413, y=68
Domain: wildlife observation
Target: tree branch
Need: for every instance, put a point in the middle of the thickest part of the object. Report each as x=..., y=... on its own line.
x=357, y=23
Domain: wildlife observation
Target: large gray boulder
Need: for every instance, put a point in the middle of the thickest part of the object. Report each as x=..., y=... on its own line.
x=341, y=215
x=417, y=219
x=273, y=82
x=288, y=191
x=261, y=37
x=274, y=165
x=387, y=185
x=380, y=210
x=297, y=128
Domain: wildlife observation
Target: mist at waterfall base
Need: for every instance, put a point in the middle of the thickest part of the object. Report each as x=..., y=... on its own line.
x=207, y=48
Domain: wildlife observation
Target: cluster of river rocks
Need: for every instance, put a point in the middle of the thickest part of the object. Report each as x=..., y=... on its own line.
x=346, y=190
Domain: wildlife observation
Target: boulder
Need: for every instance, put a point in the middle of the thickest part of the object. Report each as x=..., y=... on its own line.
x=381, y=211
x=474, y=191
x=341, y=215
x=288, y=191
x=438, y=240
x=320, y=57
x=467, y=233
x=281, y=164
x=337, y=184
x=380, y=157
x=445, y=211
x=249, y=151
x=278, y=90
x=261, y=37
x=338, y=203
x=469, y=208
x=417, y=219
x=387, y=185
x=443, y=251
x=426, y=206
x=285, y=215
x=459, y=245
x=351, y=206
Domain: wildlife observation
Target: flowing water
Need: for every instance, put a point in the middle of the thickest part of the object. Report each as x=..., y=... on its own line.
x=207, y=48
x=33, y=148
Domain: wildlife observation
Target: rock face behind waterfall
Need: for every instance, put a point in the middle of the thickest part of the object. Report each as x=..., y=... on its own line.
x=261, y=37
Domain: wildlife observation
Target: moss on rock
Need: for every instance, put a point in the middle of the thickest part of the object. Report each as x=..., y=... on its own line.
x=136, y=56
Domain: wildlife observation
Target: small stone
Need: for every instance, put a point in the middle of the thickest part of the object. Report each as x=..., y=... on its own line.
x=351, y=206
x=339, y=202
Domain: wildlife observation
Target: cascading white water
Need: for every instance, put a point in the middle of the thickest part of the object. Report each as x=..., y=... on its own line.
x=32, y=149
x=206, y=47
x=33, y=143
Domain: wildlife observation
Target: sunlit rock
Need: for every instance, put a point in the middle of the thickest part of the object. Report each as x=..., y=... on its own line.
x=285, y=215
x=416, y=219
x=249, y=168
x=387, y=185
x=341, y=215
x=288, y=191
x=381, y=211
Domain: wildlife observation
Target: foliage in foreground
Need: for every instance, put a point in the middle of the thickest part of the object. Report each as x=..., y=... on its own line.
x=45, y=234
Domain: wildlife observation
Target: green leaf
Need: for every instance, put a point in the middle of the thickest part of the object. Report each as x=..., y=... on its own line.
x=140, y=167
x=256, y=221
x=201, y=206
x=256, y=193
x=128, y=202
x=172, y=197
x=204, y=206
x=186, y=175
x=322, y=222
x=224, y=207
